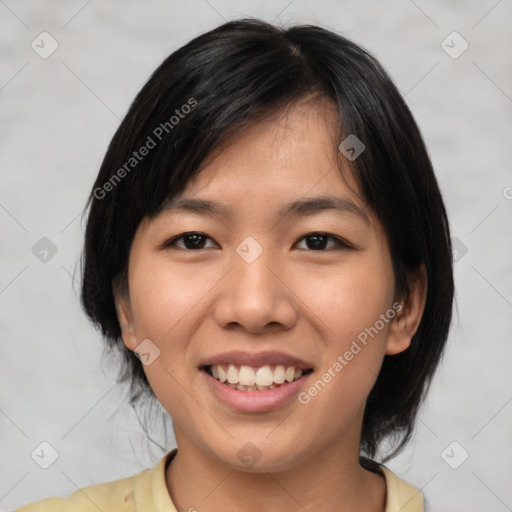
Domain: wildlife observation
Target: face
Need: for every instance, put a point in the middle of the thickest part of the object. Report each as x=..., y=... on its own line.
x=262, y=293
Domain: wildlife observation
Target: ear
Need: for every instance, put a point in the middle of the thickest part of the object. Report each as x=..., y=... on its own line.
x=125, y=318
x=407, y=320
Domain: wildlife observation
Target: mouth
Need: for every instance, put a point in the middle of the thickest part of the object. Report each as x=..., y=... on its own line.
x=255, y=378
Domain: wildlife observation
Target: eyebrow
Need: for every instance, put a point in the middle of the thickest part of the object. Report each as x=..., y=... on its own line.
x=301, y=207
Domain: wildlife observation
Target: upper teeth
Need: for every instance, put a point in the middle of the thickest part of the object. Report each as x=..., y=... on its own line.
x=259, y=376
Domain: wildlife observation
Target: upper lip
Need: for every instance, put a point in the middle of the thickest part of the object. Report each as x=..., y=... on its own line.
x=256, y=359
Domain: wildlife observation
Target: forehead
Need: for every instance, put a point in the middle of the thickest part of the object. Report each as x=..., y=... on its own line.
x=309, y=125
x=288, y=156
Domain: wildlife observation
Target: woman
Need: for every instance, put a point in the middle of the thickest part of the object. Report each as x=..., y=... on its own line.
x=268, y=249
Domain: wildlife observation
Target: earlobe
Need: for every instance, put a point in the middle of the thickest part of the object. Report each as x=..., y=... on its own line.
x=125, y=319
x=407, y=320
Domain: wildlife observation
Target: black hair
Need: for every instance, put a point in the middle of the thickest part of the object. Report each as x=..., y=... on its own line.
x=228, y=78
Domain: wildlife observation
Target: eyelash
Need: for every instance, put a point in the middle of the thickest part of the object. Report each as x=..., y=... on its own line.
x=341, y=244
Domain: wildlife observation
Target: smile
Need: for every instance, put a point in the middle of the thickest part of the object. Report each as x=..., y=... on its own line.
x=255, y=378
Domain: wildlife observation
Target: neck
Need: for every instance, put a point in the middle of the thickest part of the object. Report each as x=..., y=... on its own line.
x=331, y=480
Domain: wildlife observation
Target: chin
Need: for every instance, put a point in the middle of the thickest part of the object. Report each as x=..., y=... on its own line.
x=255, y=457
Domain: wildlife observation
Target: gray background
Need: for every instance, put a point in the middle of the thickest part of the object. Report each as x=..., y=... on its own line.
x=57, y=116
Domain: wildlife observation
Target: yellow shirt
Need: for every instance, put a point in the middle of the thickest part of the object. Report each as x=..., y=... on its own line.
x=147, y=492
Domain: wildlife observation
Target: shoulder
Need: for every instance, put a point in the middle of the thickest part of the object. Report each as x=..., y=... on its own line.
x=401, y=496
x=115, y=496
x=147, y=487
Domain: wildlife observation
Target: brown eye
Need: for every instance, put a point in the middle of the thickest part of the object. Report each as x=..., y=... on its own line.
x=190, y=241
x=320, y=241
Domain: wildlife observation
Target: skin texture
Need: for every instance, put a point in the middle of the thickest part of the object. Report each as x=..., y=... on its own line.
x=196, y=303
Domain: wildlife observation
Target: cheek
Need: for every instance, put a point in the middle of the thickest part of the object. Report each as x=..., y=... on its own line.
x=348, y=307
x=162, y=296
x=350, y=299
x=166, y=304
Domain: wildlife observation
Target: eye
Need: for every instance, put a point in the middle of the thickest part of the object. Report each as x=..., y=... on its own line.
x=191, y=241
x=319, y=241
x=315, y=241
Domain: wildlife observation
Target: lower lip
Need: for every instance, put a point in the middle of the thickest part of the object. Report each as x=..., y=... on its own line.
x=255, y=401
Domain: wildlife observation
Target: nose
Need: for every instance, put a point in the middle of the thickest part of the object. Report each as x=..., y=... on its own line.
x=256, y=297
